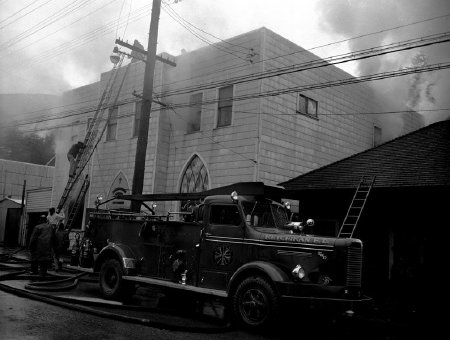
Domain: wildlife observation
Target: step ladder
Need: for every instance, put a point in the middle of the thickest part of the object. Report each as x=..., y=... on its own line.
x=356, y=207
x=90, y=141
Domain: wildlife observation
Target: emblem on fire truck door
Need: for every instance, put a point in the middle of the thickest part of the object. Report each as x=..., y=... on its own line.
x=222, y=255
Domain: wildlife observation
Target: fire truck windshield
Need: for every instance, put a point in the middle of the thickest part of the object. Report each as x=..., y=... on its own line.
x=265, y=214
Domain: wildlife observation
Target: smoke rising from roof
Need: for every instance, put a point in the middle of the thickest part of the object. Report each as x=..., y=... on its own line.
x=351, y=18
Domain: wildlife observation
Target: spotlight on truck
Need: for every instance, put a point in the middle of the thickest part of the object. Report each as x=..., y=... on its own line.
x=234, y=196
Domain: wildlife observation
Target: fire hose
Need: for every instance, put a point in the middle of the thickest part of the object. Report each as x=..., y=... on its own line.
x=35, y=291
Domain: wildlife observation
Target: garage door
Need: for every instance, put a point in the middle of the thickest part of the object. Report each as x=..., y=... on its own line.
x=38, y=200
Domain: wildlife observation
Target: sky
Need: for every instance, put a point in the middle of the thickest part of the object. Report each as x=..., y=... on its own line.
x=51, y=46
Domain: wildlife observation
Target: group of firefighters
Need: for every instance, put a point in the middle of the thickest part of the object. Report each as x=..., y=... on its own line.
x=48, y=243
x=50, y=239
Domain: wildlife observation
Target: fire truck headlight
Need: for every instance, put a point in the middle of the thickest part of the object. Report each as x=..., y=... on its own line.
x=298, y=272
x=128, y=262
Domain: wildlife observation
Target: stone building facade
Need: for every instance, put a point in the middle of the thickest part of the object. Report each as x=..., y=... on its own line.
x=218, y=127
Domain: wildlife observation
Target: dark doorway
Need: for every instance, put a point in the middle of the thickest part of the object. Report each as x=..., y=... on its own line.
x=12, y=227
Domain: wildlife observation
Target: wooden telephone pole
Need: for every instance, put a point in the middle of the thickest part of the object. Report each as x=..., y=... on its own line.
x=146, y=107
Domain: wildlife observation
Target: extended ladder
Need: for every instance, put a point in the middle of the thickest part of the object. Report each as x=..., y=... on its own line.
x=77, y=204
x=356, y=207
x=90, y=141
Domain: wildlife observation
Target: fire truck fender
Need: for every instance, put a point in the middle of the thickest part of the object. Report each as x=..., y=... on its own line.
x=117, y=251
x=258, y=268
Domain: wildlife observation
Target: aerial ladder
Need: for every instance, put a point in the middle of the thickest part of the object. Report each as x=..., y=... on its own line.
x=77, y=186
x=356, y=207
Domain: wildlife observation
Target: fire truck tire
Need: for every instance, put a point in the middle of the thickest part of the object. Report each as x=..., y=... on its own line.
x=255, y=303
x=112, y=285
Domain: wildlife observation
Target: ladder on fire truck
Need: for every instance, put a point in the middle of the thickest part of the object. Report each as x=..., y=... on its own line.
x=356, y=207
x=73, y=189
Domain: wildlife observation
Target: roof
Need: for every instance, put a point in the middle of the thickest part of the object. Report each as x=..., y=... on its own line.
x=13, y=200
x=418, y=159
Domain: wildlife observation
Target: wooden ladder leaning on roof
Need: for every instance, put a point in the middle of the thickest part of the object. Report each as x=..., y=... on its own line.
x=356, y=207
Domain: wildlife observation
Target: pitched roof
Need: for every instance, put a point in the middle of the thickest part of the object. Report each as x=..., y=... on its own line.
x=420, y=158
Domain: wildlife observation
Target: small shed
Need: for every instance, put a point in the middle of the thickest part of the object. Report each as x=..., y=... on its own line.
x=406, y=214
x=10, y=217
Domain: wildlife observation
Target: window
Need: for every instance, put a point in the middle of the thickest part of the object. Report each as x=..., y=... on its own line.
x=195, y=112
x=195, y=177
x=137, y=118
x=111, y=129
x=307, y=106
x=225, y=214
x=225, y=106
x=377, y=132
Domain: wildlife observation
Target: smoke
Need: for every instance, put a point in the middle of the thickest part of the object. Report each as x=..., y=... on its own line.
x=350, y=18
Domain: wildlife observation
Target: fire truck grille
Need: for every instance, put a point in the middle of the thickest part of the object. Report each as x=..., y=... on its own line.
x=354, y=265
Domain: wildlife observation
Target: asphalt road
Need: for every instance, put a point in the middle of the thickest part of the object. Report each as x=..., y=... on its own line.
x=22, y=318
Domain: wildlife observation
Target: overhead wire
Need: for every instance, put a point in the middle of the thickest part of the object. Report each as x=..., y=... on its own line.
x=402, y=26
x=15, y=13
x=197, y=35
x=302, y=50
x=24, y=15
x=169, y=8
x=54, y=17
x=85, y=16
x=317, y=63
x=341, y=82
x=371, y=52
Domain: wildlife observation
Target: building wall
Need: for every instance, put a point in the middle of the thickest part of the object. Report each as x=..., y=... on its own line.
x=226, y=151
x=267, y=140
x=293, y=143
x=13, y=174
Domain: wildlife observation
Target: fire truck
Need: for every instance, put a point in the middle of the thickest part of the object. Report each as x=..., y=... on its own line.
x=237, y=242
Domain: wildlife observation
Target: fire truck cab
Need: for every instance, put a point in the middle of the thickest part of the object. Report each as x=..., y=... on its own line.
x=241, y=246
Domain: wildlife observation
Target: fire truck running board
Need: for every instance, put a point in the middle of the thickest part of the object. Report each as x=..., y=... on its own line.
x=169, y=284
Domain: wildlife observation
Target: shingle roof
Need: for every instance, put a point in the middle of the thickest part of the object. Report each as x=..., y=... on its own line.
x=420, y=158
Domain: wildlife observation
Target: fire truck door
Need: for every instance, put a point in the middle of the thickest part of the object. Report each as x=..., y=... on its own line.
x=221, y=248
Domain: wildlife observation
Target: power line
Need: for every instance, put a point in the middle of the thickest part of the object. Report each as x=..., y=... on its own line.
x=293, y=114
x=24, y=15
x=321, y=62
x=334, y=60
x=190, y=30
x=334, y=83
x=247, y=50
x=58, y=15
x=302, y=51
x=15, y=13
x=85, y=16
x=139, y=13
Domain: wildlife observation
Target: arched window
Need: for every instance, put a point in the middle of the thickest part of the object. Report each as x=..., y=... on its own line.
x=195, y=177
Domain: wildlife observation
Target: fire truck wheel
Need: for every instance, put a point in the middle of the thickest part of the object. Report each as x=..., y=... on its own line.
x=255, y=303
x=112, y=285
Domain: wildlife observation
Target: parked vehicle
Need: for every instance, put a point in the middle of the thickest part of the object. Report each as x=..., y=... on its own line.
x=241, y=246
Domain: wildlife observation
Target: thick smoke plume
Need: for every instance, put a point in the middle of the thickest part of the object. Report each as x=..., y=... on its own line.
x=351, y=18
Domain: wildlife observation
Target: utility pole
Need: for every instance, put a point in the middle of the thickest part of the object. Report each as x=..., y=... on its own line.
x=146, y=107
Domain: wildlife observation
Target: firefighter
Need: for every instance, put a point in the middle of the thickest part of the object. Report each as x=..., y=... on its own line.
x=73, y=154
x=42, y=243
x=61, y=245
x=54, y=217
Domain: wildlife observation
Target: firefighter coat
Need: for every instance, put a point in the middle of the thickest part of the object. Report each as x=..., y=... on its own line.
x=42, y=242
